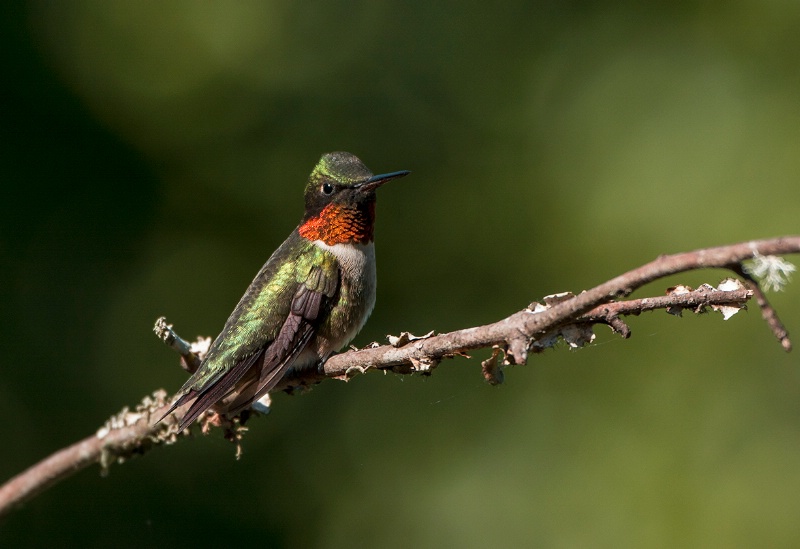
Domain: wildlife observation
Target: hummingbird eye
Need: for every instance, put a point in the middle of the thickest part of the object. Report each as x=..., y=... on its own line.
x=327, y=188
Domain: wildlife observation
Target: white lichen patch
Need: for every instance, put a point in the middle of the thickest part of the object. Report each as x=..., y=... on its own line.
x=772, y=271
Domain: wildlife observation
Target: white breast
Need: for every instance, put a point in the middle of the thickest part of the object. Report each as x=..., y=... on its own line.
x=358, y=270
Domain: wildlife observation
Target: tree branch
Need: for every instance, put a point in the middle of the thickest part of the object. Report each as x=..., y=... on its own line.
x=536, y=327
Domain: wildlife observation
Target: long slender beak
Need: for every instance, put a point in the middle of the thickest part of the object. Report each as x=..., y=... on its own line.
x=377, y=180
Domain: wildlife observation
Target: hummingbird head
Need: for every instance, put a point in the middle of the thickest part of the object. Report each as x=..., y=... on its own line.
x=340, y=200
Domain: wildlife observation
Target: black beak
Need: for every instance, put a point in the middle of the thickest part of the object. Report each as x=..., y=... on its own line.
x=377, y=180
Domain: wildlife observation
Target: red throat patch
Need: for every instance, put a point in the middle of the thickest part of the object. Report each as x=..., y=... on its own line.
x=338, y=224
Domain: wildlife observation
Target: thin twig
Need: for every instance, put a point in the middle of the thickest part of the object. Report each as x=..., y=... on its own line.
x=768, y=312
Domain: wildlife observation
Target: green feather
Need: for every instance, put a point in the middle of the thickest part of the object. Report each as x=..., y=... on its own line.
x=257, y=319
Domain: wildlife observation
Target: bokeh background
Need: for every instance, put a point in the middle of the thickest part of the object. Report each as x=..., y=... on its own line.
x=153, y=155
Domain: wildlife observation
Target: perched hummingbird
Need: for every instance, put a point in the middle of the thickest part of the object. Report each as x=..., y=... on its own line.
x=310, y=299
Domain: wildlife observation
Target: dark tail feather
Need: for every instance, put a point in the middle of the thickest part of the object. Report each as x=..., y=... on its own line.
x=204, y=399
x=218, y=390
x=259, y=389
x=178, y=403
x=203, y=403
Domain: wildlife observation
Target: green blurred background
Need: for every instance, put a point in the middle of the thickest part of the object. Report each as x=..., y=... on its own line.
x=153, y=155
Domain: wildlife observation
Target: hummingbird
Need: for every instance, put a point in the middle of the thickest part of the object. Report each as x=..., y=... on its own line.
x=310, y=299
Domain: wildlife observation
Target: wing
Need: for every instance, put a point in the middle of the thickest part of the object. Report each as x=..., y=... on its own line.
x=309, y=305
